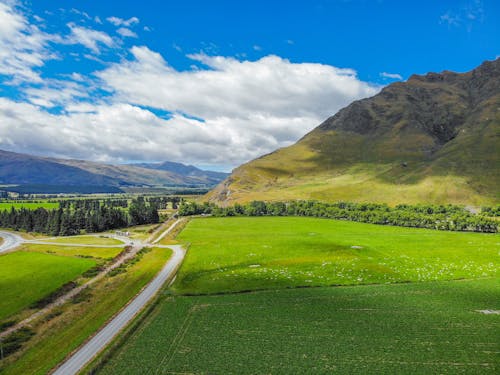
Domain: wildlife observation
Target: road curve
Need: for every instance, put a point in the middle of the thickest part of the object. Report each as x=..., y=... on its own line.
x=10, y=241
x=96, y=344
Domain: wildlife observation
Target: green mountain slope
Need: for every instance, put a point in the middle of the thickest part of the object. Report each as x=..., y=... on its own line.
x=434, y=138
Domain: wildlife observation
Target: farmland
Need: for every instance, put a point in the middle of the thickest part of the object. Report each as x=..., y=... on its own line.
x=28, y=205
x=238, y=254
x=26, y=277
x=396, y=306
x=418, y=328
x=74, y=251
x=74, y=322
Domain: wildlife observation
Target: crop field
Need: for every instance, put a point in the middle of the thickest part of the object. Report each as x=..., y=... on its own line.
x=75, y=322
x=28, y=205
x=417, y=328
x=238, y=254
x=87, y=240
x=74, y=251
x=26, y=277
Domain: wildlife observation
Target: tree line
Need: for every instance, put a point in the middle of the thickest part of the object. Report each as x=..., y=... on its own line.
x=74, y=216
x=441, y=217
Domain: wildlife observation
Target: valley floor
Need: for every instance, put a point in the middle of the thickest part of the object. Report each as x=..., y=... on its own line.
x=432, y=305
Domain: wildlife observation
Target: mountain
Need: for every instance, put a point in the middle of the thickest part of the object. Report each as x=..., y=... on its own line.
x=21, y=169
x=27, y=169
x=185, y=170
x=432, y=139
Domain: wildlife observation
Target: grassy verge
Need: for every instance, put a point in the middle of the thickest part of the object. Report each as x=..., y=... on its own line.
x=420, y=328
x=76, y=321
x=86, y=240
x=171, y=237
x=238, y=254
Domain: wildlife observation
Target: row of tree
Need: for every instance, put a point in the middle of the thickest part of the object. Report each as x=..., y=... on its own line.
x=74, y=218
x=442, y=217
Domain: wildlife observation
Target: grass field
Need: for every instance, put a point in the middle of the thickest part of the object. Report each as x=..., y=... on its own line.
x=236, y=254
x=26, y=277
x=28, y=205
x=77, y=321
x=419, y=328
x=86, y=240
x=95, y=252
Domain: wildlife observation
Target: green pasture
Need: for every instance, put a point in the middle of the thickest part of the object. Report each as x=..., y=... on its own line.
x=241, y=253
x=26, y=277
x=60, y=335
x=28, y=205
x=74, y=251
x=415, y=328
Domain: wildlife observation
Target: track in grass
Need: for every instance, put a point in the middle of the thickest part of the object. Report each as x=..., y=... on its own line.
x=235, y=254
x=420, y=328
x=26, y=277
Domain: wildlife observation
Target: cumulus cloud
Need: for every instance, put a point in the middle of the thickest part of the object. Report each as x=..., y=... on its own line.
x=56, y=93
x=89, y=38
x=270, y=86
x=122, y=22
x=23, y=47
x=123, y=31
x=391, y=75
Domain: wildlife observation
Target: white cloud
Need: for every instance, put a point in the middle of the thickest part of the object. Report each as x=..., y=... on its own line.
x=465, y=15
x=237, y=89
x=121, y=22
x=56, y=92
x=106, y=132
x=123, y=31
x=391, y=75
x=248, y=108
x=257, y=48
x=23, y=47
x=450, y=19
x=89, y=38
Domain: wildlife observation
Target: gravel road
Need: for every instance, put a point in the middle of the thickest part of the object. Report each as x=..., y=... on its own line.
x=96, y=344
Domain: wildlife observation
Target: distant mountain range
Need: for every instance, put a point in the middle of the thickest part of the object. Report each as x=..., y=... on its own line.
x=434, y=138
x=22, y=169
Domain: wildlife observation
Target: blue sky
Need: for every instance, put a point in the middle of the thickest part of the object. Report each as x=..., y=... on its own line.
x=214, y=83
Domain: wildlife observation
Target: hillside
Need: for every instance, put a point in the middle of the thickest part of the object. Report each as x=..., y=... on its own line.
x=21, y=169
x=433, y=138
